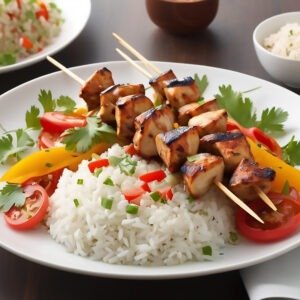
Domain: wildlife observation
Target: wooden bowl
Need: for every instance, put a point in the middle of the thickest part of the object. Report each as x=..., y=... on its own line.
x=182, y=16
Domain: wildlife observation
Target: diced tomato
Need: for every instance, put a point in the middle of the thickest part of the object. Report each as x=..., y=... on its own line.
x=133, y=193
x=42, y=12
x=158, y=175
x=145, y=187
x=130, y=150
x=48, y=182
x=58, y=122
x=166, y=193
x=257, y=136
x=99, y=163
x=277, y=224
x=26, y=43
x=32, y=212
x=47, y=140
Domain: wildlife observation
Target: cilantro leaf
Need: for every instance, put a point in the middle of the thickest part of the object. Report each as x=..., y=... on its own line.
x=81, y=139
x=66, y=104
x=10, y=147
x=201, y=83
x=272, y=119
x=291, y=152
x=11, y=194
x=32, y=118
x=47, y=101
x=238, y=107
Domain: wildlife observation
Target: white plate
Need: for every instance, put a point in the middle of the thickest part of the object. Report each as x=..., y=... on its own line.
x=75, y=15
x=39, y=247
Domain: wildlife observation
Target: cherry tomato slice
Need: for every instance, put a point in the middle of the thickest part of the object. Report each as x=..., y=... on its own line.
x=278, y=224
x=57, y=122
x=32, y=212
x=47, y=140
x=48, y=182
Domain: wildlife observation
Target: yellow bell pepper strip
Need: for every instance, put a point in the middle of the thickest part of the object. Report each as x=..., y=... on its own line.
x=47, y=161
x=284, y=172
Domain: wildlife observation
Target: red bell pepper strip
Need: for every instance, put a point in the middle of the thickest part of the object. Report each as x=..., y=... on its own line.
x=99, y=163
x=158, y=175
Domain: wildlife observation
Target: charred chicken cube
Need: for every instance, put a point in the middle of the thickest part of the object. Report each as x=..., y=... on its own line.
x=127, y=109
x=210, y=122
x=249, y=175
x=182, y=92
x=188, y=111
x=160, y=82
x=176, y=145
x=200, y=172
x=148, y=125
x=94, y=85
x=232, y=146
x=109, y=97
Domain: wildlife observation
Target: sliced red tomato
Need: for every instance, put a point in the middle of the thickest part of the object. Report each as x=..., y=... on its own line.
x=32, y=212
x=130, y=150
x=42, y=12
x=277, y=224
x=58, y=122
x=258, y=136
x=48, y=182
x=47, y=140
x=158, y=175
x=99, y=163
x=133, y=193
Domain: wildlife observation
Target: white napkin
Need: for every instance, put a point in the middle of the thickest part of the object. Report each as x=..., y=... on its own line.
x=278, y=278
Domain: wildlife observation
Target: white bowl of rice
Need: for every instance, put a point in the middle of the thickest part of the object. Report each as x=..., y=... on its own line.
x=277, y=45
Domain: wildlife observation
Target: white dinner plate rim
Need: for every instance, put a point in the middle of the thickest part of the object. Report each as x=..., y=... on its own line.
x=135, y=272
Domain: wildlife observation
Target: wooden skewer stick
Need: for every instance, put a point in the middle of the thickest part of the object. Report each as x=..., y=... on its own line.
x=265, y=198
x=126, y=57
x=238, y=201
x=137, y=54
x=66, y=70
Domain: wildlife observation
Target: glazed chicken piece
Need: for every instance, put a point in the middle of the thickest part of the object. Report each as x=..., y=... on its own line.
x=188, y=111
x=127, y=109
x=176, y=145
x=148, y=125
x=94, y=85
x=182, y=92
x=232, y=146
x=109, y=97
x=249, y=175
x=160, y=82
x=210, y=122
x=200, y=173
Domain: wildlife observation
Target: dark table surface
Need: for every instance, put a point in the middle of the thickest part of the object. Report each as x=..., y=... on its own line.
x=227, y=43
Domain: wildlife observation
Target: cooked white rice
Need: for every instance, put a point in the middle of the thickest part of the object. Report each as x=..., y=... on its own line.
x=26, y=21
x=285, y=42
x=159, y=234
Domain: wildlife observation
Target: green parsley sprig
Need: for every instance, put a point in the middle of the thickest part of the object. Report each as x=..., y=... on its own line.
x=11, y=194
x=291, y=152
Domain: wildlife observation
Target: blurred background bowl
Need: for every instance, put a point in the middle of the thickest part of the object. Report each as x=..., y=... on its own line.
x=285, y=70
x=182, y=16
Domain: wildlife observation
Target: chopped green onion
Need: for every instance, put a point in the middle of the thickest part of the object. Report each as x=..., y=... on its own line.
x=76, y=202
x=190, y=199
x=155, y=196
x=80, y=181
x=128, y=166
x=108, y=181
x=233, y=237
x=207, y=250
x=114, y=160
x=132, y=209
x=97, y=172
x=107, y=202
